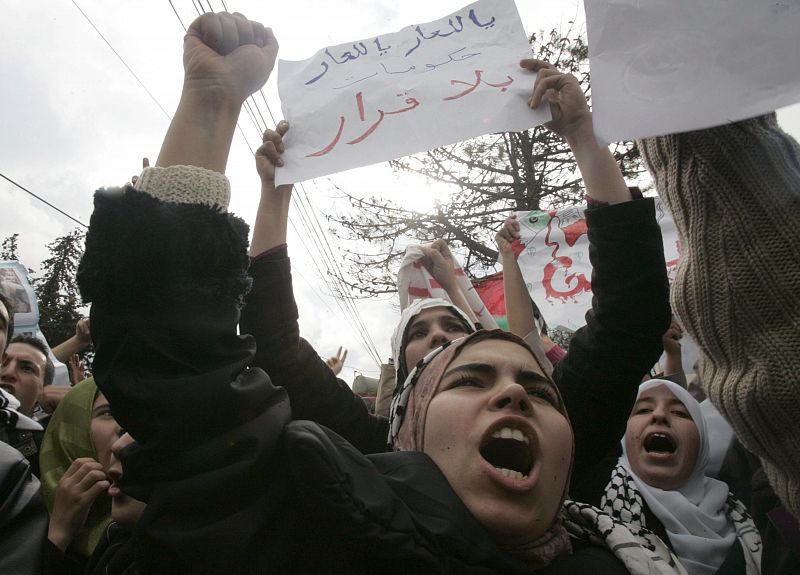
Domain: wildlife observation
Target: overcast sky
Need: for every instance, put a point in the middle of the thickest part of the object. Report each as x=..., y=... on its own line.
x=73, y=118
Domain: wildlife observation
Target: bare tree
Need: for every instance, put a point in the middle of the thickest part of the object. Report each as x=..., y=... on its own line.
x=488, y=177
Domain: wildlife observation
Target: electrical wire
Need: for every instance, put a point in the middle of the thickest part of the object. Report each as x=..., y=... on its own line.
x=309, y=216
x=121, y=59
x=178, y=15
x=313, y=228
x=41, y=199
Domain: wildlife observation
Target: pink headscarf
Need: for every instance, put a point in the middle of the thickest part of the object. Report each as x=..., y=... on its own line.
x=407, y=428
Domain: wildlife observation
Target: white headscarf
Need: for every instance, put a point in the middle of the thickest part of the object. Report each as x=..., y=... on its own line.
x=694, y=515
x=409, y=313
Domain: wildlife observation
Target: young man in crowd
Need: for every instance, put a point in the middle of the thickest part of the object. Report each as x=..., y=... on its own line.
x=26, y=370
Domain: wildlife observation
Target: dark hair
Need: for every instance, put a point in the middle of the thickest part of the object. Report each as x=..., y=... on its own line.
x=402, y=371
x=6, y=301
x=49, y=368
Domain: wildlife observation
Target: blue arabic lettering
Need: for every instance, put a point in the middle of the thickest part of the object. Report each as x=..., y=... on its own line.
x=474, y=19
x=419, y=41
x=354, y=82
x=431, y=67
x=385, y=69
x=320, y=75
x=348, y=55
x=380, y=48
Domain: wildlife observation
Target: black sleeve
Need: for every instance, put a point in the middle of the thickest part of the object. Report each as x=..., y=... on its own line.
x=621, y=340
x=316, y=394
x=23, y=516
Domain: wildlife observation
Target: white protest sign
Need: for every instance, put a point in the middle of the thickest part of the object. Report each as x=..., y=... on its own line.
x=666, y=66
x=397, y=94
x=555, y=261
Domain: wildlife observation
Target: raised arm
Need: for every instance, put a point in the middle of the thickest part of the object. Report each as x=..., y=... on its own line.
x=165, y=269
x=621, y=340
x=519, y=311
x=226, y=57
x=165, y=264
x=572, y=120
x=76, y=344
x=441, y=265
x=270, y=315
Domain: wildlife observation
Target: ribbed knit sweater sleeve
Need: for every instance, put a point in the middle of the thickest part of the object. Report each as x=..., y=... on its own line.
x=270, y=315
x=734, y=192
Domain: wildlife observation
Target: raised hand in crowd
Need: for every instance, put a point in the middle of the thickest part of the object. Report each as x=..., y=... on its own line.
x=75, y=344
x=440, y=263
x=672, y=338
x=80, y=485
x=672, y=360
x=273, y=209
x=76, y=368
x=145, y=164
x=506, y=236
x=519, y=309
x=226, y=57
x=51, y=396
x=572, y=120
x=336, y=362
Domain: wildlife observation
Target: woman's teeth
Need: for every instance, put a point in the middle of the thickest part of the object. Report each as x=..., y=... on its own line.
x=509, y=433
x=510, y=473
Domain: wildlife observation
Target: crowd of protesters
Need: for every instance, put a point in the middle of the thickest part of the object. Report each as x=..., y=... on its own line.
x=212, y=438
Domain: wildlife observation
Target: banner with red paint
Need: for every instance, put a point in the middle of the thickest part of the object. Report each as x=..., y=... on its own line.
x=490, y=290
x=414, y=281
x=555, y=261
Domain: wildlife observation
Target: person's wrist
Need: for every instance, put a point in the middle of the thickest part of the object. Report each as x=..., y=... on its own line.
x=580, y=134
x=212, y=95
x=448, y=283
x=57, y=536
x=506, y=252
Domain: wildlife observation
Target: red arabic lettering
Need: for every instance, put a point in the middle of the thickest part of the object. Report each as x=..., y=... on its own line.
x=562, y=263
x=333, y=143
x=478, y=80
x=412, y=103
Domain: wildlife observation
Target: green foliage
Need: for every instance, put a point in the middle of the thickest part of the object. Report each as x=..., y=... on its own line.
x=488, y=177
x=8, y=249
x=57, y=288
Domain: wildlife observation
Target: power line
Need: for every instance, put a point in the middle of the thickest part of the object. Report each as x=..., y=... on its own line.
x=41, y=199
x=308, y=219
x=121, y=59
x=176, y=14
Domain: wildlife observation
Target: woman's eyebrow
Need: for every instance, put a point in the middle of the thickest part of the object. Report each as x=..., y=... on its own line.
x=418, y=323
x=528, y=376
x=482, y=368
x=97, y=409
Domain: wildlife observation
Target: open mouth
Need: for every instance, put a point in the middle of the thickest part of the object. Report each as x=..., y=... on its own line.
x=509, y=451
x=659, y=443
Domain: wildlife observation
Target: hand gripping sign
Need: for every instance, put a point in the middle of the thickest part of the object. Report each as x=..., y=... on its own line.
x=423, y=87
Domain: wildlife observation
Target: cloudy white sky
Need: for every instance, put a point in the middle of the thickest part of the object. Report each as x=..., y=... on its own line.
x=73, y=118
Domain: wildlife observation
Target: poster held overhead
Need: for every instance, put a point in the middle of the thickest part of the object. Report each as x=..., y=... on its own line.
x=667, y=66
x=397, y=94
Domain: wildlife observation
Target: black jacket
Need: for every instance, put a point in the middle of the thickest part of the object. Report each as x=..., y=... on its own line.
x=598, y=378
x=233, y=485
